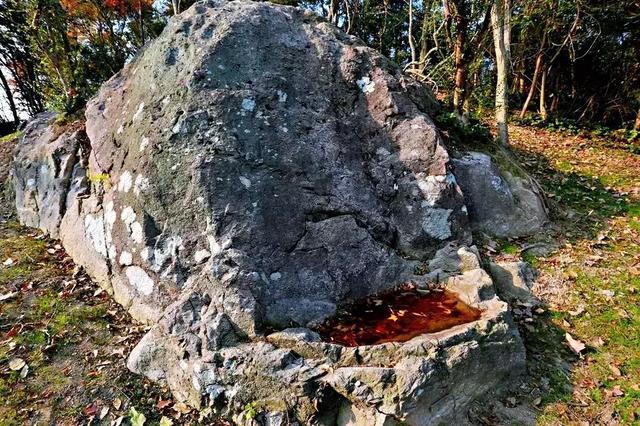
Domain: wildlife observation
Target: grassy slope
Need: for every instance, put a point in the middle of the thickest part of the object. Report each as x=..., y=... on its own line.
x=591, y=283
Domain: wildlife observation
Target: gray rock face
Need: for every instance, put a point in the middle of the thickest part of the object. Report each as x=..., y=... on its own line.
x=49, y=172
x=499, y=203
x=252, y=169
x=513, y=281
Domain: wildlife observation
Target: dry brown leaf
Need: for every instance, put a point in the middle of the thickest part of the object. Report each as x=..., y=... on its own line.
x=575, y=345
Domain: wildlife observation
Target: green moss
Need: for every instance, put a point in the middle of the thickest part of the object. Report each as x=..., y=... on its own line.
x=10, y=136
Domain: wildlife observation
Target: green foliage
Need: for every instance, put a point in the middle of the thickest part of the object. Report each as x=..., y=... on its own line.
x=250, y=411
x=136, y=418
x=472, y=134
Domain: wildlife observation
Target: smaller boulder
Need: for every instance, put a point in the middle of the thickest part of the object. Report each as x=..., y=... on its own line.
x=498, y=203
x=513, y=281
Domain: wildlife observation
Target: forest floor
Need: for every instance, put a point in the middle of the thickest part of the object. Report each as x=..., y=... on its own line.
x=63, y=342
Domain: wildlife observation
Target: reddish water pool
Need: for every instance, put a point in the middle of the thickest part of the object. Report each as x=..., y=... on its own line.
x=397, y=317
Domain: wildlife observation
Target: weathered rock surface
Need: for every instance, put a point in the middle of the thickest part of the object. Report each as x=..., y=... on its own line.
x=499, y=203
x=513, y=281
x=251, y=170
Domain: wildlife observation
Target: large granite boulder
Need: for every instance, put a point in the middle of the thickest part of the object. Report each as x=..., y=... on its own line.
x=251, y=170
x=500, y=203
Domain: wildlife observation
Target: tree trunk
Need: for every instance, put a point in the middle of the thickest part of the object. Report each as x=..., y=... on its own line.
x=543, y=95
x=333, y=12
x=637, y=124
x=460, y=65
x=412, y=46
x=9, y=94
x=501, y=26
x=534, y=81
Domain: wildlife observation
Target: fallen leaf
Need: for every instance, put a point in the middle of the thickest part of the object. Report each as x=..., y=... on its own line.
x=577, y=311
x=7, y=296
x=117, y=403
x=181, y=407
x=575, y=345
x=166, y=421
x=608, y=293
x=16, y=364
x=24, y=371
x=537, y=401
x=117, y=421
x=393, y=317
x=8, y=262
x=103, y=412
x=615, y=370
x=598, y=342
x=163, y=403
x=90, y=410
x=616, y=391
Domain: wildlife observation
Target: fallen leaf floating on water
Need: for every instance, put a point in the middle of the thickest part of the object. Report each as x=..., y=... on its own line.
x=576, y=345
x=17, y=364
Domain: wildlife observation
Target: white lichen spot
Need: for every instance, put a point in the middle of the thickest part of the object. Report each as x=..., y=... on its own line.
x=275, y=276
x=139, y=279
x=214, y=246
x=366, y=85
x=284, y=129
x=200, y=200
x=244, y=181
x=94, y=231
x=141, y=184
x=248, y=104
x=128, y=216
x=126, y=258
x=136, y=232
x=31, y=183
x=144, y=143
x=201, y=255
x=139, y=113
x=166, y=100
x=125, y=182
x=176, y=128
x=110, y=214
x=145, y=254
x=282, y=96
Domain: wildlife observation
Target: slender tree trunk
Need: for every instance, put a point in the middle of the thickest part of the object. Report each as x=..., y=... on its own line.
x=333, y=12
x=175, y=5
x=412, y=46
x=534, y=80
x=501, y=26
x=459, y=93
x=9, y=94
x=543, y=94
x=637, y=123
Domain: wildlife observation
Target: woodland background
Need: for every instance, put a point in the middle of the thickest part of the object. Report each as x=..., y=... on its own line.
x=568, y=64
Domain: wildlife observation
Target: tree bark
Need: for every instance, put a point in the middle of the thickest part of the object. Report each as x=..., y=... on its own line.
x=9, y=94
x=543, y=94
x=501, y=26
x=333, y=12
x=534, y=80
x=637, y=123
x=459, y=93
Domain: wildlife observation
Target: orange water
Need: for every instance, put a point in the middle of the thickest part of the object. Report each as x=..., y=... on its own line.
x=397, y=317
